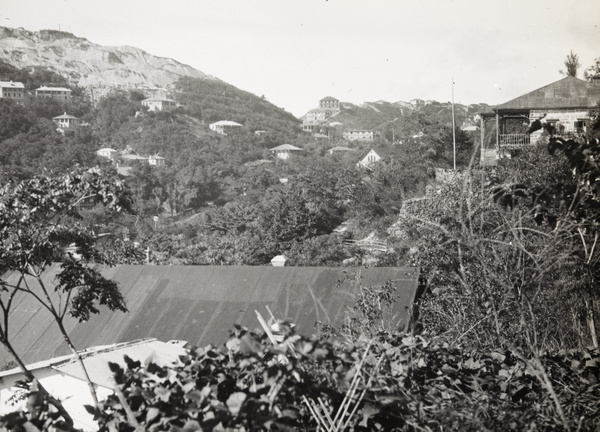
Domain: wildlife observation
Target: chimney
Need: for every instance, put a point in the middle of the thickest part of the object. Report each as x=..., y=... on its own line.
x=278, y=261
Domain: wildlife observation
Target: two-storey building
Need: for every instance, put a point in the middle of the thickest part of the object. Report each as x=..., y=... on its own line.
x=12, y=90
x=58, y=93
x=159, y=104
x=66, y=121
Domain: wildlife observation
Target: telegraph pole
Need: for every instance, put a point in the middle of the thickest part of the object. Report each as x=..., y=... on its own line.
x=453, y=127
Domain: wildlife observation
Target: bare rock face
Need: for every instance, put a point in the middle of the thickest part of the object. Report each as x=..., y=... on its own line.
x=87, y=64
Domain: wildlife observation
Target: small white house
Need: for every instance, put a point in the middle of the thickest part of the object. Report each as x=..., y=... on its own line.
x=156, y=160
x=374, y=156
x=159, y=104
x=285, y=151
x=66, y=121
x=107, y=152
x=223, y=126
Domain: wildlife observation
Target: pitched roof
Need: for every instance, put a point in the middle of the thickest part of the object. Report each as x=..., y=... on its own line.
x=226, y=123
x=567, y=93
x=330, y=98
x=340, y=148
x=200, y=304
x=381, y=151
x=44, y=88
x=152, y=99
x=65, y=116
x=287, y=147
x=11, y=84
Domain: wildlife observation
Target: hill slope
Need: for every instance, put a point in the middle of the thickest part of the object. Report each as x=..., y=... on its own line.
x=87, y=64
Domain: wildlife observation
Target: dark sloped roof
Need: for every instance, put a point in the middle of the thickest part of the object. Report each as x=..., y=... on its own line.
x=567, y=93
x=200, y=304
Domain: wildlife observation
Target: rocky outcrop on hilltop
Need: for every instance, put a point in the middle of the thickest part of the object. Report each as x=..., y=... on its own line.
x=87, y=64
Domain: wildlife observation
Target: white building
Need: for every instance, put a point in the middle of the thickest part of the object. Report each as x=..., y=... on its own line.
x=285, y=151
x=66, y=121
x=59, y=93
x=359, y=135
x=12, y=90
x=156, y=160
x=159, y=104
x=223, y=126
x=107, y=152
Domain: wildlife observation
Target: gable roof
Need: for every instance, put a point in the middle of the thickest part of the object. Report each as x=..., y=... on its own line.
x=200, y=304
x=225, y=123
x=381, y=151
x=567, y=93
x=65, y=116
x=287, y=147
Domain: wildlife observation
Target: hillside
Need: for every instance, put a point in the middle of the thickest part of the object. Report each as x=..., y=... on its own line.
x=401, y=120
x=87, y=64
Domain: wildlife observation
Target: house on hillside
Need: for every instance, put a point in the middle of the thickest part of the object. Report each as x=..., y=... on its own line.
x=339, y=150
x=66, y=121
x=330, y=103
x=159, y=104
x=374, y=155
x=107, y=152
x=224, y=126
x=201, y=304
x=285, y=151
x=156, y=160
x=12, y=90
x=63, y=378
x=315, y=118
x=57, y=93
x=359, y=135
x=566, y=104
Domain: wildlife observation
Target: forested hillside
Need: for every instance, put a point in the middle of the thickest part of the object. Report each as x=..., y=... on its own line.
x=221, y=199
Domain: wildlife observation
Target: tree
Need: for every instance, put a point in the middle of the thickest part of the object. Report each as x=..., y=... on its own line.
x=38, y=221
x=571, y=64
x=593, y=70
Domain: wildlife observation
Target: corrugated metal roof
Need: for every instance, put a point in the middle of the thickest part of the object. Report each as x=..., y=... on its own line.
x=200, y=304
x=567, y=93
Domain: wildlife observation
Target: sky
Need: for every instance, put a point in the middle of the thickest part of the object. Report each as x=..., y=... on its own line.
x=295, y=52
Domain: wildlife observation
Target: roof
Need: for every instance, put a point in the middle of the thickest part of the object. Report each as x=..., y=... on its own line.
x=155, y=157
x=124, y=171
x=63, y=378
x=53, y=88
x=65, y=116
x=226, y=123
x=12, y=84
x=133, y=157
x=158, y=100
x=330, y=98
x=567, y=93
x=106, y=149
x=382, y=152
x=200, y=304
x=340, y=148
x=287, y=147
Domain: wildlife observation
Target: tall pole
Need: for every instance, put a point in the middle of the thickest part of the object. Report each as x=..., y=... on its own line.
x=453, y=127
